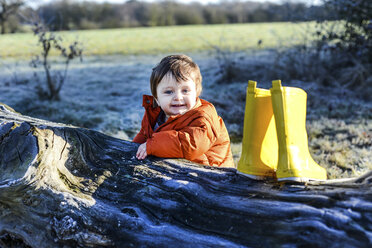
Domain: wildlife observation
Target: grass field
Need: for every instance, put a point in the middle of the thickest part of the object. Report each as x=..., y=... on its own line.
x=234, y=37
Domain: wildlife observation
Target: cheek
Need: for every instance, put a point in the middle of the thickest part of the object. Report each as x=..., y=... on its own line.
x=164, y=100
x=191, y=100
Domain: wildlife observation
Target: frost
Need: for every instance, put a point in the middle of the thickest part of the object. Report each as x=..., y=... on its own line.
x=105, y=94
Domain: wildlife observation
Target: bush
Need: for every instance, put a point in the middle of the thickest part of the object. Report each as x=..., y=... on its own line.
x=49, y=40
x=348, y=39
x=354, y=36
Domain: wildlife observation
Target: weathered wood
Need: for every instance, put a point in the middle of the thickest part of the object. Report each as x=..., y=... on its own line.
x=62, y=186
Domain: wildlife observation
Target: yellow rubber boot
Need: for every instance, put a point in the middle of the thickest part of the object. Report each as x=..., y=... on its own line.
x=295, y=162
x=260, y=146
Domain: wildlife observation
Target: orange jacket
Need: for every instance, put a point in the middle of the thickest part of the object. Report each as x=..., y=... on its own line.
x=199, y=135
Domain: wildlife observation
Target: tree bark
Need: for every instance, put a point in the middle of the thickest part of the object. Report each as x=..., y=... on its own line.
x=64, y=186
x=2, y=25
x=8, y=8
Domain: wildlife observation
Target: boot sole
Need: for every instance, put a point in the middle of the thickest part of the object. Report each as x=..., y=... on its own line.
x=255, y=177
x=300, y=179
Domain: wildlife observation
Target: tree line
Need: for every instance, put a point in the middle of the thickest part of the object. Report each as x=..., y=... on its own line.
x=72, y=15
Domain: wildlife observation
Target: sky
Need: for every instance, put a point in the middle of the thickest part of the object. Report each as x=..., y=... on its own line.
x=200, y=1
x=203, y=1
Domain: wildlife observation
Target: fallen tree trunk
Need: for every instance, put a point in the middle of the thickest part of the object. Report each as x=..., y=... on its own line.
x=62, y=186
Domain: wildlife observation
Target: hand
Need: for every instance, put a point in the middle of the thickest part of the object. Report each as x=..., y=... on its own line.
x=141, y=152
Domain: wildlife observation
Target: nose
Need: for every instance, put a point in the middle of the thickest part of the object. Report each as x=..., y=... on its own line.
x=177, y=96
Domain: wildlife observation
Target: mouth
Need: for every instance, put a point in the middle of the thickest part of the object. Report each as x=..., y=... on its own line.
x=178, y=105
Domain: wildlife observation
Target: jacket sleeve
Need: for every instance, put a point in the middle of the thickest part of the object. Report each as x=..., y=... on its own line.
x=189, y=143
x=141, y=136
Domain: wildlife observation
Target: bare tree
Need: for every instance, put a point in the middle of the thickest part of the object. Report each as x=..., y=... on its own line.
x=48, y=40
x=8, y=8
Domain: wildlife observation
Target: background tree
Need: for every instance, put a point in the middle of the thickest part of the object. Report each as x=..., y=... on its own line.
x=68, y=14
x=7, y=9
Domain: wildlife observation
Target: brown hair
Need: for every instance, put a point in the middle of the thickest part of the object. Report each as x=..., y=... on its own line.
x=181, y=67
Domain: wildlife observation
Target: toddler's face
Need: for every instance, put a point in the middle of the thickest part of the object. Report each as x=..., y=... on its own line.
x=174, y=97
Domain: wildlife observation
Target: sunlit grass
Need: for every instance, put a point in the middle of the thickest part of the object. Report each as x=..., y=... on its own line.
x=155, y=40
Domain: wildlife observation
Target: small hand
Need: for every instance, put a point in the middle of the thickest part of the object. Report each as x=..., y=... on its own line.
x=141, y=152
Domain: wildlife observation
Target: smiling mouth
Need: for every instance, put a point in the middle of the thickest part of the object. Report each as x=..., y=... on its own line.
x=178, y=105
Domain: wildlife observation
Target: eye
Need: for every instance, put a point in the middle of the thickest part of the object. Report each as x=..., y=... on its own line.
x=185, y=91
x=168, y=92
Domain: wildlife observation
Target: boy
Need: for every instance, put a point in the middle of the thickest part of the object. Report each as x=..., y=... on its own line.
x=177, y=123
